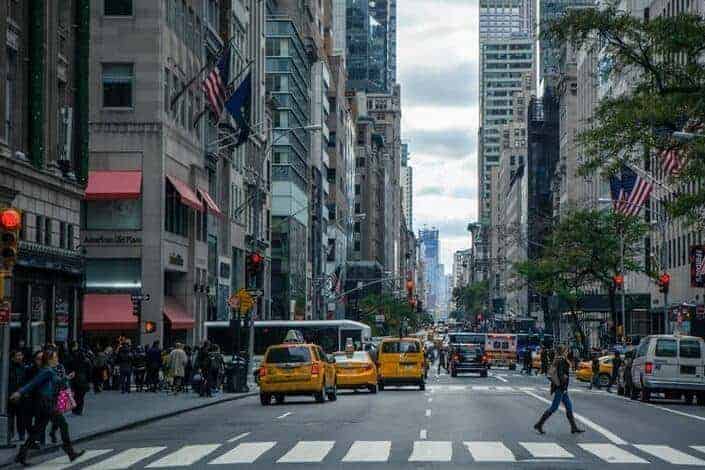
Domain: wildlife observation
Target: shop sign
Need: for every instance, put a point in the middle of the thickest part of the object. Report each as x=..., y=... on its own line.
x=4, y=313
x=697, y=266
x=176, y=259
x=113, y=239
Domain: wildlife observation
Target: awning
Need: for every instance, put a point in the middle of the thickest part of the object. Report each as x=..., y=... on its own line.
x=108, y=185
x=103, y=312
x=177, y=314
x=188, y=197
x=210, y=203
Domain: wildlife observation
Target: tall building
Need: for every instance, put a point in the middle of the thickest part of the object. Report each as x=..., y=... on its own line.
x=504, y=19
x=44, y=161
x=369, y=43
x=407, y=188
x=429, y=246
x=462, y=268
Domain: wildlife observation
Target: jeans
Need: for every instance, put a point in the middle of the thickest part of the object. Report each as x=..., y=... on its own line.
x=125, y=382
x=57, y=420
x=18, y=415
x=558, y=397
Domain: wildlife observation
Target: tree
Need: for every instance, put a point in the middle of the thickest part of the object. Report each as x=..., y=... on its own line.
x=662, y=58
x=395, y=312
x=470, y=299
x=583, y=252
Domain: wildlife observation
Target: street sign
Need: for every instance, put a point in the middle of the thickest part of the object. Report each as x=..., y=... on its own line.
x=379, y=318
x=255, y=292
x=5, y=313
x=246, y=301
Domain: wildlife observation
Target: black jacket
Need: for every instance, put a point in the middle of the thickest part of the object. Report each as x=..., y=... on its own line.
x=18, y=377
x=79, y=363
x=563, y=371
x=154, y=358
x=124, y=358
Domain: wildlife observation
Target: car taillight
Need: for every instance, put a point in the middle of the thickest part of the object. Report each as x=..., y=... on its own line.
x=649, y=368
x=262, y=372
x=315, y=369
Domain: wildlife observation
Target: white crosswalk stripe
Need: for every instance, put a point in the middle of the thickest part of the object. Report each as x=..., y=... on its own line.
x=546, y=450
x=671, y=455
x=483, y=451
x=308, y=452
x=432, y=451
x=62, y=463
x=247, y=452
x=612, y=454
x=368, y=451
x=698, y=448
x=187, y=455
x=126, y=458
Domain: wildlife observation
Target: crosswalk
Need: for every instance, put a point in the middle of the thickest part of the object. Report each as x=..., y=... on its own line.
x=362, y=452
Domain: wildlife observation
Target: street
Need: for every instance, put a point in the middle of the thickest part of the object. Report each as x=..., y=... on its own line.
x=455, y=423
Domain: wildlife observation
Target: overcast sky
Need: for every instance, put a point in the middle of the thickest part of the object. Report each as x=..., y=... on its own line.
x=437, y=67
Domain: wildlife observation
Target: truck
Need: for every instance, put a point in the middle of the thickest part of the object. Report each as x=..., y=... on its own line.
x=501, y=350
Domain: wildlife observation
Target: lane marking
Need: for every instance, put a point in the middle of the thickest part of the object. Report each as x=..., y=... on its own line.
x=126, y=458
x=368, y=451
x=670, y=455
x=489, y=451
x=428, y=413
x=247, y=452
x=504, y=388
x=62, y=462
x=499, y=377
x=594, y=426
x=239, y=436
x=423, y=434
x=680, y=413
x=187, y=455
x=288, y=413
x=546, y=450
x=698, y=448
x=307, y=452
x=432, y=451
x=611, y=453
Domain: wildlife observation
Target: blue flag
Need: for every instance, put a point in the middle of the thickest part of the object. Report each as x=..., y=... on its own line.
x=238, y=105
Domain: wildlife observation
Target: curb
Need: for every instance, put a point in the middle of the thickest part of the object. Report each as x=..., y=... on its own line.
x=124, y=427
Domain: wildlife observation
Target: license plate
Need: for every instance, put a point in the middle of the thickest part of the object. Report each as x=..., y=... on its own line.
x=690, y=370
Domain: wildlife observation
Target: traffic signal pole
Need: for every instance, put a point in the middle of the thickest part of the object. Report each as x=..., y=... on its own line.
x=621, y=270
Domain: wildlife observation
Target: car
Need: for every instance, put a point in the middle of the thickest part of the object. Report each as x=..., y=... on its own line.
x=356, y=370
x=670, y=364
x=468, y=358
x=294, y=369
x=584, y=372
x=400, y=361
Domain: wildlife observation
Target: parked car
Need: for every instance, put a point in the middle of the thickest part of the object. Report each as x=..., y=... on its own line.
x=670, y=364
x=468, y=358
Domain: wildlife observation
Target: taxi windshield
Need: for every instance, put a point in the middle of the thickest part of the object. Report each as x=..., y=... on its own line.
x=357, y=356
x=401, y=347
x=288, y=354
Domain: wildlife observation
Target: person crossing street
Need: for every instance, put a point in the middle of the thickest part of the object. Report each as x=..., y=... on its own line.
x=616, y=364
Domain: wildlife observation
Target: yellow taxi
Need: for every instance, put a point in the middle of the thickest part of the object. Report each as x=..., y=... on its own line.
x=296, y=369
x=355, y=370
x=584, y=372
x=401, y=361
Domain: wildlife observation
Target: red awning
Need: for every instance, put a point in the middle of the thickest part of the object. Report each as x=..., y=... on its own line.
x=177, y=314
x=107, y=185
x=210, y=203
x=108, y=312
x=188, y=197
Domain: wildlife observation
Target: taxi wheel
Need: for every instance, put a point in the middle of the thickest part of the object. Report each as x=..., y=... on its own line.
x=372, y=388
x=279, y=398
x=333, y=395
x=265, y=399
x=320, y=396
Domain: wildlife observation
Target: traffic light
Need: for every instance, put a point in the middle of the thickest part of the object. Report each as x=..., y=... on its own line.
x=618, y=281
x=663, y=282
x=10, y=222
x=255, y=262
x=150, y=327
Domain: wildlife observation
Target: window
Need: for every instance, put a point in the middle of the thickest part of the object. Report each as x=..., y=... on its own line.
x=357, y=245
x=10, y=92
x=117, y=85
x=690, y=349
x=396, y=347
x=666, y=348
x=176, y=217
x=70, y=237
x=121, y=214
x=117, y=274
x=357, y=190
x=62, y=234
x=48, y=232
x=40, y=229
x=289, y=354
x=117, y=8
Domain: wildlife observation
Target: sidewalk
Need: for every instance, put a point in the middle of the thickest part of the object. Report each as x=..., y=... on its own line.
x=112, y=411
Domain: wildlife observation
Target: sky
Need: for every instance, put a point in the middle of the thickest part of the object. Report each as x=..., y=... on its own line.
x=437, y=63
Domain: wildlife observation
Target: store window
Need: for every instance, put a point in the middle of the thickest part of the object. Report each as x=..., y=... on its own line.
x=118, y=81
x=123, y=214
x=117, y=8
x=176, y=217
x=113, y=274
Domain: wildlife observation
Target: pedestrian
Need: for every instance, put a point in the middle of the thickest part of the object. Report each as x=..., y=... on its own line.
x=30, y=403
x=204, y=365
x=177, y=367
x=441, y=359
x=80, y=367
x=527, y=361
x=628, y=383
x=559, y=376
x=139, y=364
x=595, y=379
x=544, y=360
x=616, y=364
x=100, y=368
x=154, y=364
x=48, y=383
x=123, y=363
x=216, y=369
x=189, y=367
x=15, y=412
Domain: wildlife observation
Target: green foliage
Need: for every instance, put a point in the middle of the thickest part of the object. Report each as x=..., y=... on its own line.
x=470, y=299
x=661, y=60
x=394, y=310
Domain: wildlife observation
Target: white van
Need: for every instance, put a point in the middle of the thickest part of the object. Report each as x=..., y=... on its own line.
x=670, y=364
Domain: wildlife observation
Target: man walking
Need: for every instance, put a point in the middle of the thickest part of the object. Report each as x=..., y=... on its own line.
x=154, y=362
x=177, y=367
x=124, y=364
x=79, y=364
x=595, y=379
x=616, y=364
x=18, y=378
x=544, y=361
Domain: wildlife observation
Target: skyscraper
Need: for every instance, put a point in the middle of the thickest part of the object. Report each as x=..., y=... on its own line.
x=369, y=45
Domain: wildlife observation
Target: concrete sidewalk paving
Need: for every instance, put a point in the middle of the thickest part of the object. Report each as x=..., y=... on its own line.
x=111, y=411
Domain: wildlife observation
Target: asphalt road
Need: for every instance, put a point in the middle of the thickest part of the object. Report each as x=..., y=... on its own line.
x=463, y=422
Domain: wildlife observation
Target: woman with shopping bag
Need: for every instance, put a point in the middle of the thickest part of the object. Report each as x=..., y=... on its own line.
x=55, y=399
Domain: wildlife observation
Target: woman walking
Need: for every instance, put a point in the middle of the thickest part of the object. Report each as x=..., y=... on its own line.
x=47, y=383
x=559, y=374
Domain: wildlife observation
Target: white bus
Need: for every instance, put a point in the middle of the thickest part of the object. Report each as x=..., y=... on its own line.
x=331, y=335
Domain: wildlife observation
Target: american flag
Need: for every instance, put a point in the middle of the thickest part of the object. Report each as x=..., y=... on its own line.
x=629, y=192
x=216, y=83
x=671, y=162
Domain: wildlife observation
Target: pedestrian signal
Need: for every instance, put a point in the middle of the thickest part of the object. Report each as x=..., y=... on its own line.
x=10, y=223
x=150, y=327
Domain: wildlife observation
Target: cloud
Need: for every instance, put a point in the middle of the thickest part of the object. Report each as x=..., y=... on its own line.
x=442, y=143
x=429, y=191
x=451, y=85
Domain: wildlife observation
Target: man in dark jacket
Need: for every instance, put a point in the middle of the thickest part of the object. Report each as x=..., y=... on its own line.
x=595, y=379
x=78, y=362
x=18, y=377
x=559, y=376
x=124, y=363
x=154, y=363
x=616, y=364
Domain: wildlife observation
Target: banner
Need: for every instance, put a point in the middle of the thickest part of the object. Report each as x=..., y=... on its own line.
x=697, y=266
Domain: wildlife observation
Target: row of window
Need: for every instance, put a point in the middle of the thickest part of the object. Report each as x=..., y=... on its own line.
x=677, y=250
x=47, y=231
x=185, y=23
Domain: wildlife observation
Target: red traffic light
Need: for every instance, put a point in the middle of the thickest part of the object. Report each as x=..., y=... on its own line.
x=410, y=285
x=665, y=279
x=255, y=258
x=150, y=327
x=619, y=280
x=10, y=219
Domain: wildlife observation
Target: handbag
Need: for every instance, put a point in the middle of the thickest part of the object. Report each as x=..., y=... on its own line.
x=65, y=401
x=553, y=376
